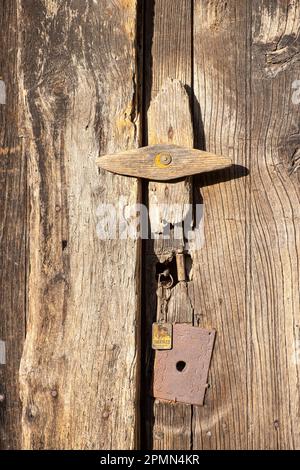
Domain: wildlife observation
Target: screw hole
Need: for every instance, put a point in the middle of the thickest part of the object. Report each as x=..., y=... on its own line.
x=180, y=366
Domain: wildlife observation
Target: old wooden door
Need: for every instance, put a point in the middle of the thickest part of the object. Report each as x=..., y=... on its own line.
x=78, y=79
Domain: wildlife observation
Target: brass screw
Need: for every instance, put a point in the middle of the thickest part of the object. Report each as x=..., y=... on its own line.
x=165, y=158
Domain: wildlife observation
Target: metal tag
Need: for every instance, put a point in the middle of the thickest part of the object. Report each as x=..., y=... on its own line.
x=162, y=335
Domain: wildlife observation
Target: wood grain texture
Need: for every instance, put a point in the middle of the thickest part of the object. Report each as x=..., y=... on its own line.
x=219, y=268
x=70, y=74
x=250, y=259
x=168, y=56
x=274, y=234
x=170, y=52
x=171, y=422
x=169, y=122
x=79, y=370
x=12, y=230
x=147, y=162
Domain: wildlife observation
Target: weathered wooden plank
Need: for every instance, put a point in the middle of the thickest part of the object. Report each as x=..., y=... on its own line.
x=220, y=113
x=79, y=371
x=168, y=49
x=250, y=258
x=168, y=55
x=274, y=235
x=168, y=44
x=12, y=230
x=169, y=122
x=172, y=422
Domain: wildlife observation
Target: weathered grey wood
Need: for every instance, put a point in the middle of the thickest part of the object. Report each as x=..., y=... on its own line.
x=273, y=281
x=220, y=106
x=148, y=162
x=169, y=29
x=169, y=122
x=79, y=372
x=248, y=284
x=12, y=230
x=168, y=51
x=79, y=367
x=172, y=422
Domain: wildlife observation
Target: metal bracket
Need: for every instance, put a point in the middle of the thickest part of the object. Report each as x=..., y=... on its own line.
x=180, y=374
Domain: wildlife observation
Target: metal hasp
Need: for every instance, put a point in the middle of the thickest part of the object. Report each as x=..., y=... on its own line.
x=180, y=374
x=162, y=162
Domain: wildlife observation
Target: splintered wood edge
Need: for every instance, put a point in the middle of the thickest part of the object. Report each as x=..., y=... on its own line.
x=145, y=162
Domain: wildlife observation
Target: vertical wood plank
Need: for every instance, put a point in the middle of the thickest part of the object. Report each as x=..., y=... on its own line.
x=168, y=43
x=12, y=230
x=169, y=110
x=220, y=112
x=274, y=245
x=168, y=55
x=251, y=255
x=79, y=371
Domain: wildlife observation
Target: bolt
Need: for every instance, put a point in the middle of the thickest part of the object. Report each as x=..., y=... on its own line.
x=165, y=158
x=2, y=398
x=54, y=393
x=105, y=414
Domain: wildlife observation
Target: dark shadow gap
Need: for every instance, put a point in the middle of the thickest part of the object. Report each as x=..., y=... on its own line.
x=144, y=37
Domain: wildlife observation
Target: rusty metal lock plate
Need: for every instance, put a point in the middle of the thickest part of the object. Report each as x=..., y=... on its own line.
x=180, y=374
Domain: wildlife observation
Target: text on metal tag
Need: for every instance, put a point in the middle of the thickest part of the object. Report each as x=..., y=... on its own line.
x=162, y=335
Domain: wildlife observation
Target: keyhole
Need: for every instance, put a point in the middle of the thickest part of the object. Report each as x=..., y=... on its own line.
x=180, y=366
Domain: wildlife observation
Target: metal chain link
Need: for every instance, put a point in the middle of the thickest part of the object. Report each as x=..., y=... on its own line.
x=163, y=294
